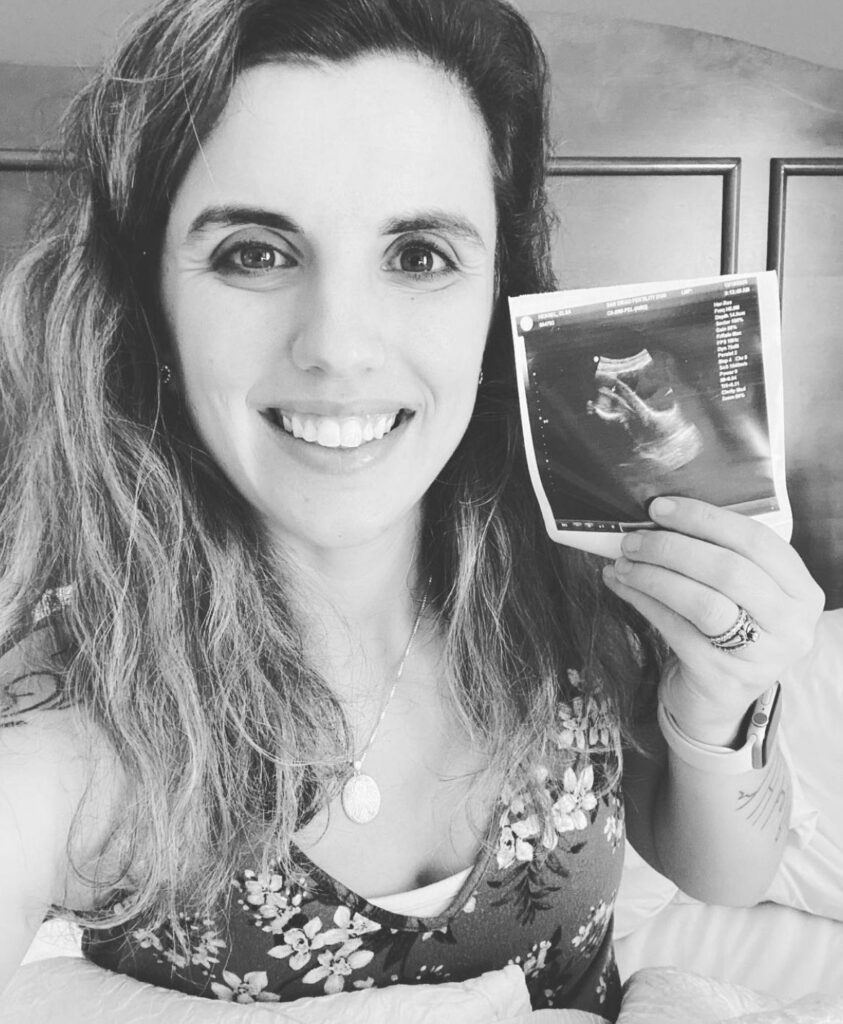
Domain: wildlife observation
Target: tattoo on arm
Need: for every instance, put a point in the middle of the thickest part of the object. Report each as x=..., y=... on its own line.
x=34, y=691
x=766, y=806
x=31, y=676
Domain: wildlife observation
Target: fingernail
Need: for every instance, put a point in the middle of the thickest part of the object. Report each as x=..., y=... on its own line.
x=631, y=542
x=622, y=566
x=608, y=573
x=662, y=507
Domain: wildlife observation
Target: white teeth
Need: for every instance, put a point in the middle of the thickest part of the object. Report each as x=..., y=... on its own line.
x=351, y=434
x=348, y=432
x=328, y=433
x=382, y=425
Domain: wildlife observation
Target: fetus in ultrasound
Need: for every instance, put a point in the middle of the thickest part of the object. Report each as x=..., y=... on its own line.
x=636, y=394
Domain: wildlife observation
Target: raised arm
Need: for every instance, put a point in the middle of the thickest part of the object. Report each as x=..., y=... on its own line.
x=696, y=811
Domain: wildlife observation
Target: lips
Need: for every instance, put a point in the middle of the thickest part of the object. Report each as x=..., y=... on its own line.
x=337, y=431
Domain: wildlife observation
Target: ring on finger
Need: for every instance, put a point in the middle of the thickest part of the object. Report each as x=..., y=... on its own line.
x=743, y=632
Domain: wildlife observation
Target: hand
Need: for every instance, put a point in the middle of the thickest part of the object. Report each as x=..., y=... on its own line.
x=689, y=579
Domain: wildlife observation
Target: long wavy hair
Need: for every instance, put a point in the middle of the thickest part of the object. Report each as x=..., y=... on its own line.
x=184, y=650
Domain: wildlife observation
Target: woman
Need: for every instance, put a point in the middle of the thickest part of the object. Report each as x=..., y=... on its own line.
x=296, y=622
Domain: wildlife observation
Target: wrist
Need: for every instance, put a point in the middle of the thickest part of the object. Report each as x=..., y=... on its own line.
x=750, y=749
x=709, y=726
x=726, y=734
x=709, y=714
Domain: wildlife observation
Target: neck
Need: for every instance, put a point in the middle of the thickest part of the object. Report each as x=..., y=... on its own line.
x=357, y=605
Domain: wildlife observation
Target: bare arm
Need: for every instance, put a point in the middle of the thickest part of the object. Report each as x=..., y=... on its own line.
x=719, y=837
x=45, y=768
x=36, y=809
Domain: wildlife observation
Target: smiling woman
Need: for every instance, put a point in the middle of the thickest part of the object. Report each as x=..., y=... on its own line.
x=328, y=317
x=263, y=526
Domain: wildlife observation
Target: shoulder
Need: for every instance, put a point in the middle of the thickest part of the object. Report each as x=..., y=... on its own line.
x=56, y=769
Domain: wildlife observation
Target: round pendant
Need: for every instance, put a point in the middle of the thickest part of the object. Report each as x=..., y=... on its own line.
x=361, y=799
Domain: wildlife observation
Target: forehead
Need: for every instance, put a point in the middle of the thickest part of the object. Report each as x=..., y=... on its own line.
x=372, y=136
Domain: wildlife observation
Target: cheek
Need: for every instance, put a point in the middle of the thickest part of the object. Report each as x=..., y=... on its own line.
x=218, y=344
x=449, y=340
x=211, y=372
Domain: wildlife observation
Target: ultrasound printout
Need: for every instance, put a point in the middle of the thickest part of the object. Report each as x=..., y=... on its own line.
x=660, y=392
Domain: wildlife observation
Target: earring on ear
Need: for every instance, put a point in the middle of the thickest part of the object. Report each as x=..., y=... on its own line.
x=480, y=380
x=165, y=374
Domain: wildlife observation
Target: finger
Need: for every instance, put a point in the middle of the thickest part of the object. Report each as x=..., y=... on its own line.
x=731, y=672
x=742, y=534
x=683, y=637
x=708, y=610
x=735, y=579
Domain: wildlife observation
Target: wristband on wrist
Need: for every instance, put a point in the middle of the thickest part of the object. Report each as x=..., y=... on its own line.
x=756, y=743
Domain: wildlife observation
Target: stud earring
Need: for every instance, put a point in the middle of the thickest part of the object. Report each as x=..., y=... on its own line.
x=480, y=380
x=165, y=374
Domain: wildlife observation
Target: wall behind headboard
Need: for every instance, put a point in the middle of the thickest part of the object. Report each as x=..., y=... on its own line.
x=624, y=88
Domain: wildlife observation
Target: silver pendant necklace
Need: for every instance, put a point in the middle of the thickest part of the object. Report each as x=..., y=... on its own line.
x=361, y=796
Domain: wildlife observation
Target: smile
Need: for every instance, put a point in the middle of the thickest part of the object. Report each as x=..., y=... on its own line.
x=337, y=432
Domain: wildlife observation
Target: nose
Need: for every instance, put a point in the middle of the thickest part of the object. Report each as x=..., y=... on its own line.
x=340, y=332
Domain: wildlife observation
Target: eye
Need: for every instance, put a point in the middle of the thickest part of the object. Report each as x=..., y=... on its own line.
x=252, y=258
x=422, y=259
x=419, y=259
x=258, y=257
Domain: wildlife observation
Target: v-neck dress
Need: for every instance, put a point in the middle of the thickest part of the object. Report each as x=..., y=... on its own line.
x=540, y=895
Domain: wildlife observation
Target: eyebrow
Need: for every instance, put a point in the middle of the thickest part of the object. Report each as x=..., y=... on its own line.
x=232, y=216
x=435, y=220
x=431, y=220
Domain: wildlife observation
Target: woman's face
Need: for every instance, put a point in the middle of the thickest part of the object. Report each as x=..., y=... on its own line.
x=328, y=281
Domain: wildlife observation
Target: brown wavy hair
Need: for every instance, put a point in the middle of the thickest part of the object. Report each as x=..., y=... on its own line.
x=185, y=650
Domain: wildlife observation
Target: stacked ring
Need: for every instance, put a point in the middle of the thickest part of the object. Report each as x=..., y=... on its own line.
x=743, y=632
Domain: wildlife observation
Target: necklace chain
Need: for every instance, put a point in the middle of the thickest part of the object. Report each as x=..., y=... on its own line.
x=358, y=763
x=361, y=797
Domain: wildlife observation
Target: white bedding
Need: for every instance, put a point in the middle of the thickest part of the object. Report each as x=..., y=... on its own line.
x=68, y=990
x=672, y=996
x=72, y=991
x=777, y=950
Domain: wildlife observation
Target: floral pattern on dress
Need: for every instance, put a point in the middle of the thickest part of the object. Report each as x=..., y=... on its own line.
x=534, y=853
x=271, y=900
x=336, y=965
x=248, y=989
x=541, y=896
x=591, y=934
x=585, y=724
x=614, y=830
x=190, y=941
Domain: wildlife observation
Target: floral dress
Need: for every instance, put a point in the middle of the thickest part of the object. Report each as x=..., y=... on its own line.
x=540, y=896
